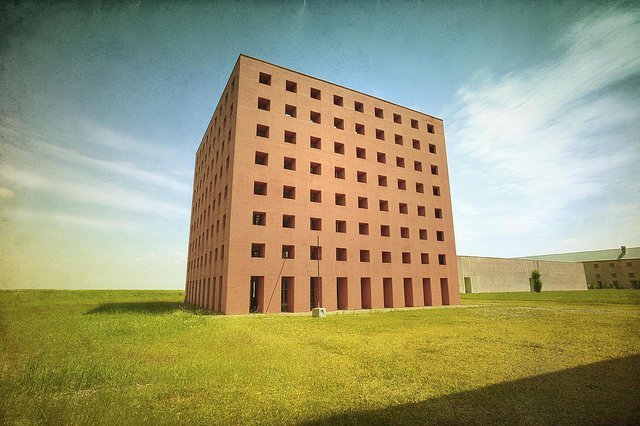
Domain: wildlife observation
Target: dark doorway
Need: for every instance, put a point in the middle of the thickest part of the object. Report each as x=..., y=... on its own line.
x=286, y=294
x=365, y=292
x=255, y=293
x=387, y=288
x=342, y=293
x=408, y=292
x=444, y=290
x=315, y=292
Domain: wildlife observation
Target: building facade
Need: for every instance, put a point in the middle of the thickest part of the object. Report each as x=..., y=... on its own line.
x=491, y=275
x=611, y=268
x=308, y=194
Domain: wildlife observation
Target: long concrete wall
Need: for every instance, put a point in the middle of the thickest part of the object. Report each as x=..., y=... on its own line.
x=492, y=275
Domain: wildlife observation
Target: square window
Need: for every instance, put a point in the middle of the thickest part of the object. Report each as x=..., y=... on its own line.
x=402, y=208
x=399, y=140
x=442, y=259
x=416, y=144
x=314, y=93
x=414, y=123
x=422, y=211
x=264, y=104
x=358, y=106
x=315, y=196
x=315, y=142
x=260, y=188
x=262, y=158
x=338, y=123
x=430, y=128
x=265, y=78
x=289, y=163
x=361, y=153
x=384, y=205
x=432, y=148
x=257, y=250
x=337, y=100
x=315, y=253
x=363, y=203
x=315, y=224
x=288, y=221
x=440, y=235
x=338, y=148
x=288, y=252
x=424, y=258
x=382, y=180
x=362, y=177
x=404, y=232
x=341, y=226
x=365, y=256
x=402, y=184
x=380, y=134
x=386, y=257
x=315, y=168
x=359, y=128
x=423, y=234
x=434, y=170
x=315, y=117
x=385, y=230
x=438, y=213
x=291, y=86
x=339, y=172
x=290, y=111
x=397, y=118
x=341, y=254
x=382, y=157
x=341, y=200
x=363, y=228
x=378, y=112
x=417, y=166
x=259, y=218
x=289, y=137
x=289, y=192
x=436, y=190
x=262, y=131
x=399, y=161
x=406, y=257
x=419, y=188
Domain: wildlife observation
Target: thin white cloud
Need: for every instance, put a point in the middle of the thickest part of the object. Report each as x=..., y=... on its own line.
x=102, y=194
x=77, y=220
x=528, y=149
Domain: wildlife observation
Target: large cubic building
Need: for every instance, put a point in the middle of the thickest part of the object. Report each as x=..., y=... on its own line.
x=308, y=194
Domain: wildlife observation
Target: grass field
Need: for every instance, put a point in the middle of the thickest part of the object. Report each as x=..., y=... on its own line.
x=122, y=357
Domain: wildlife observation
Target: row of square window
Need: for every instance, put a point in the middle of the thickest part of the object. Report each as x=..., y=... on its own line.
x=315, y=253
x=262, y=158
x=611, y=265
x=315, y=195
x=263, y=131
x=315, y=224
x=314, y=93
x=614, y=275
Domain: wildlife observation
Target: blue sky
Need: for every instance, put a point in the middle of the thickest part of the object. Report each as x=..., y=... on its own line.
x=103, y=106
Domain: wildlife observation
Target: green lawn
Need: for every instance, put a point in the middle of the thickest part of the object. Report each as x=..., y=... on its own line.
x=121, y=357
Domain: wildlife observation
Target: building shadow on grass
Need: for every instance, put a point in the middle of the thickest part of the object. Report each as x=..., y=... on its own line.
x=153, y=308
x=606, y=392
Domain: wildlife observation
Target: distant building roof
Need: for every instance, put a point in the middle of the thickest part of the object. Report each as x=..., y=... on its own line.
x=590, y=256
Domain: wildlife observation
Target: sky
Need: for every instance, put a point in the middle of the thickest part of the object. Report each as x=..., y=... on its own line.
x=102, y=108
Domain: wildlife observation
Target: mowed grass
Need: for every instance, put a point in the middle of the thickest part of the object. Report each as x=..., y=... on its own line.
x=128, y=357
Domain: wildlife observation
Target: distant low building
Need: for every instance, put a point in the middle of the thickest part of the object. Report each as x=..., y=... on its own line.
x=618, y=268
x=493, y=275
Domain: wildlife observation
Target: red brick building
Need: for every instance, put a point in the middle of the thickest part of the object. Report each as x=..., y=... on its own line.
x=310, y=194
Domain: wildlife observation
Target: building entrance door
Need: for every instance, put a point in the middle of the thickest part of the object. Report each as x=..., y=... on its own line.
x=254, y=290
x=467, y=285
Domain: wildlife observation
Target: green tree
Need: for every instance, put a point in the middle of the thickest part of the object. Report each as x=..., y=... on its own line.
x=536, y=283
